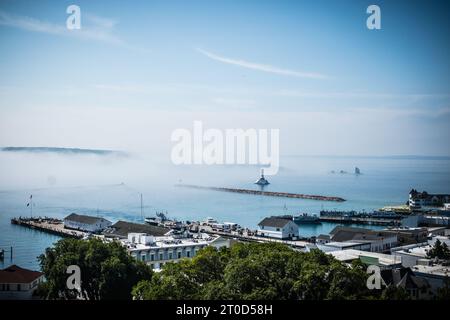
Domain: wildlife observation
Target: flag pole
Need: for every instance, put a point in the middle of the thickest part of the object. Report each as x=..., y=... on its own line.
x=142, y=214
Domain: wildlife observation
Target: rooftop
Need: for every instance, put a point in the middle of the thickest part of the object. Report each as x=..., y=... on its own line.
x=121, y=229
x=352, y=254
x=403, y=277
x=341, y=234
x=346, y=244
x=168, y=242
x=16, y=274
x=436, y=270
x=274, y=222
x=420, y=249
x=83, y=218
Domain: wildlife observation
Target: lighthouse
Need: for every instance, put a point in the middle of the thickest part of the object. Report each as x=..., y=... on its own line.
x=262, y=181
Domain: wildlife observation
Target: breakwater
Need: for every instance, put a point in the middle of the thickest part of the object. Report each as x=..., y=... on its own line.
x=266, y=193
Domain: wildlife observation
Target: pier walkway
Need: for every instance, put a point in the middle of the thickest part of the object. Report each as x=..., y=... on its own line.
x=49, y=225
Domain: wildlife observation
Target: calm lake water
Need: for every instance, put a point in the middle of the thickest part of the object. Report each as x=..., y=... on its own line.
x=110, y=187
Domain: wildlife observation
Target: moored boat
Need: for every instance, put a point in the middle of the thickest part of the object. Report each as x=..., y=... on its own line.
x=306, y=219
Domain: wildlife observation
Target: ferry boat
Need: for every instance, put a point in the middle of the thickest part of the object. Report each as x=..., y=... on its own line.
x=306, y=219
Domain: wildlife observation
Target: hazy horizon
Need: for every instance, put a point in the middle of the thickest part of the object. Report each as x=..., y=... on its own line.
x=133, y=74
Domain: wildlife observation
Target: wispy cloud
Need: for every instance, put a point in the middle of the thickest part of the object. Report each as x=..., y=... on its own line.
x=92, y=27
x=360, y=95
x=262, y=67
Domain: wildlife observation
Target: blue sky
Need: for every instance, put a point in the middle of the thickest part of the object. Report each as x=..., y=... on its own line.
x=137, y=70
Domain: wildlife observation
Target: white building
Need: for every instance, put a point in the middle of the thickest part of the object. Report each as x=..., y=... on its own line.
x=415, y=254
x=19, y=284
x=419, y=199
x=363, y=239
x=85, y=223
x=276, y=227
x=156, y=251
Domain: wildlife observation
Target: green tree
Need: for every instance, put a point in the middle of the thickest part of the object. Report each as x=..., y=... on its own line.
x=107, y=270
x=439, y=250
x=256, y=271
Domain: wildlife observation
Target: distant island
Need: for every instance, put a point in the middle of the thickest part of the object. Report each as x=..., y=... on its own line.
x=63, y=150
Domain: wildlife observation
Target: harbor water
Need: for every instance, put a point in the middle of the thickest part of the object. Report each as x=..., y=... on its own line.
x=111, y=187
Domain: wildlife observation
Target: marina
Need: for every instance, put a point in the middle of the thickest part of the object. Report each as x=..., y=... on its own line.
x=56, y=226
x=116, y=202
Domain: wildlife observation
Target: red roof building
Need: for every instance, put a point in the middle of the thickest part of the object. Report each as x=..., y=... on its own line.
x=19, y=283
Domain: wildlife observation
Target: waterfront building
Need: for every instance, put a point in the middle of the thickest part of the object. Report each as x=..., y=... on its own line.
x=277, y=227
x=85, y=223
x=121, y=229
x=407, y=235
x=435, y=220
x=156, y=251
x=370, y=240
x=17, y=283
x=420, y=199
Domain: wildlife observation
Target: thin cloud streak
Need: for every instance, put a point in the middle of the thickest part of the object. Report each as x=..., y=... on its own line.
x=262, y=67
x=100, y=29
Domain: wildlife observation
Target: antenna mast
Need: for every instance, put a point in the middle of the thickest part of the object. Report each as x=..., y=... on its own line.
x=142, y=214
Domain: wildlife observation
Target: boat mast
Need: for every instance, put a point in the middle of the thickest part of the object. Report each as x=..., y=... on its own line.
x=142, y=214
x=31, y=206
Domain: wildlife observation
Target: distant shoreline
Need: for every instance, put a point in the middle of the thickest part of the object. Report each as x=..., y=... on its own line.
x=62, y=150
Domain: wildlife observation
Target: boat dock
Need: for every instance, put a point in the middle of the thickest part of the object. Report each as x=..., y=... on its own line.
x=49, y=225
x=360, y=220
x=266, y=193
